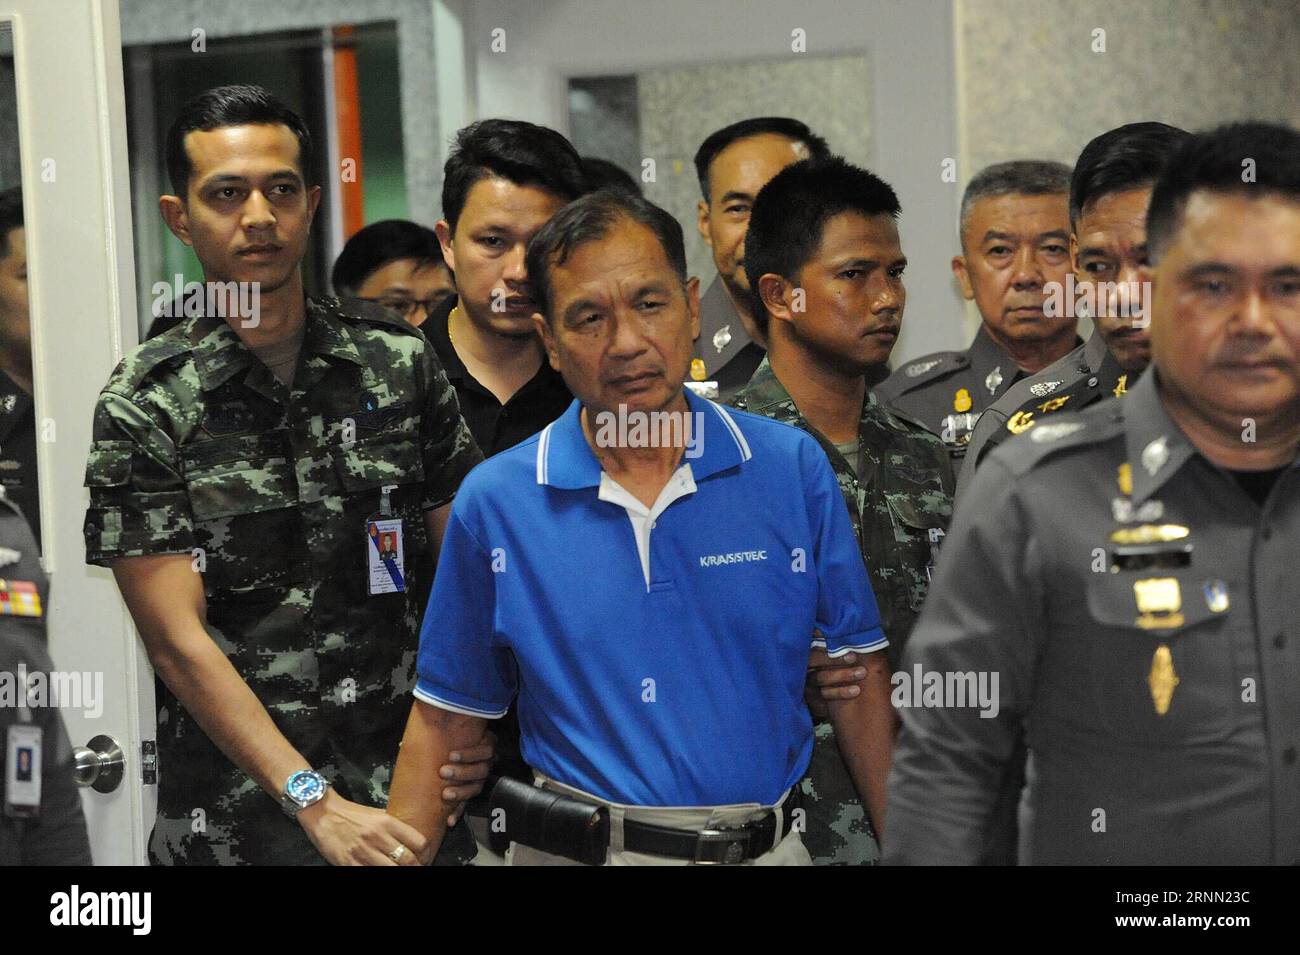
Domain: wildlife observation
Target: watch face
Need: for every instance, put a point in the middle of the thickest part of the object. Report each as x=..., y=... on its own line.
x=305, y=786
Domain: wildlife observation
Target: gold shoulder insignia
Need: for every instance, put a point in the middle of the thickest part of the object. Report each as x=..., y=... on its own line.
x=1052, y=404
x=1020, y=421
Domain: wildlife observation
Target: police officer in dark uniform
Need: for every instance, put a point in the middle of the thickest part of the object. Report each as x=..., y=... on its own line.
x=733, y=164
x=1015, y=241
x=17, y=414
x=1145, y=635
x=42, y=822
x=1110, y=190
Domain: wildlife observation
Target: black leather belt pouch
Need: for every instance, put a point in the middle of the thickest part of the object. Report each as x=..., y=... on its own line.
x=548, y=821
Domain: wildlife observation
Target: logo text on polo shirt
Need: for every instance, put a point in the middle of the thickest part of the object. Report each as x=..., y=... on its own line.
x=651, y=429
x=735, y=557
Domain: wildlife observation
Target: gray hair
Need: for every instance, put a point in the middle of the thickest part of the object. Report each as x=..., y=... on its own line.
x=1024, y=177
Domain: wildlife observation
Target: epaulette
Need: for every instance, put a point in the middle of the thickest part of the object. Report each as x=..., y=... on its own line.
x=1059, y=434
x=370, y=313
x=901, y=420
x=921, y=371
x=141, y=361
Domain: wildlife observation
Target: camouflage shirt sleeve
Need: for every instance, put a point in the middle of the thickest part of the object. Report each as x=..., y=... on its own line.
x=446, y=444
x=138, y=503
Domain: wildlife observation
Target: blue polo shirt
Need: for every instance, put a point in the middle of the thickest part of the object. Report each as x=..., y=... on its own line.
x=658, y=653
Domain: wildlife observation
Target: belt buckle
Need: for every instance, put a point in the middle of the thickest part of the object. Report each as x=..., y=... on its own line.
x=721, y=846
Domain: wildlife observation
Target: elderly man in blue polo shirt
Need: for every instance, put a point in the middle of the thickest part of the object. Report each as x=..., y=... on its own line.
x=647, y=575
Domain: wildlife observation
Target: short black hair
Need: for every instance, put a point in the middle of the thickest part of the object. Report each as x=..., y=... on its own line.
x=11, y=216
x=231, y=106
x=746, y=128
x=378, y=244
x=1122, y=159
x=602, y=173
x=1018, y=177
x=590, y=219
x=790, y=214
x=1218, y=161
x=524, y=153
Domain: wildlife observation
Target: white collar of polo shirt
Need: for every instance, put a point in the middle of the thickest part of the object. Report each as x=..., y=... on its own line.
x=643, y=519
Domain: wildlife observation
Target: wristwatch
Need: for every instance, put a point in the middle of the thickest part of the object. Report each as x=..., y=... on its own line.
x=304, y=788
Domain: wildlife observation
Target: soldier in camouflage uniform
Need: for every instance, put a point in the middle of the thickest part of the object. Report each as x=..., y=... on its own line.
x=897, y=482
x=209, y=456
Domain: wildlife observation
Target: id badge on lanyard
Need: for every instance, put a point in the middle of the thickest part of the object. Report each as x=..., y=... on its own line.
x=23, y=765
x=936, y=535
x=385, y=554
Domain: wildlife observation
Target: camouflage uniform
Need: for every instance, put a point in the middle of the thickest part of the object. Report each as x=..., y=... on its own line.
x=899, y=495
x=199, y=449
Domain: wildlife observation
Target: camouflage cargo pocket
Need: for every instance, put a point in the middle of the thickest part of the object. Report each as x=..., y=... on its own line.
x=386, y=458
x=244, y=494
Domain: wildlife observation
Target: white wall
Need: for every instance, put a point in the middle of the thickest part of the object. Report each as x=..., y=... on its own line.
x=910, y=47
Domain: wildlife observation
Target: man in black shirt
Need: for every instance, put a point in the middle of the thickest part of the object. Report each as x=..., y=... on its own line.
x=503, y=180
x=17, y=414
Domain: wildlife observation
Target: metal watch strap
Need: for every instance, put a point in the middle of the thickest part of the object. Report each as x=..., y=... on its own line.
x=291, y=806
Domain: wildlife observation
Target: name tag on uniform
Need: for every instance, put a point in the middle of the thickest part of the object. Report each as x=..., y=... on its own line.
x=23, y=771
x=385, y=558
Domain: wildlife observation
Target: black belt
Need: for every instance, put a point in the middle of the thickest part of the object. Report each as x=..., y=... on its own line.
x=562, y=825
x=729, y=846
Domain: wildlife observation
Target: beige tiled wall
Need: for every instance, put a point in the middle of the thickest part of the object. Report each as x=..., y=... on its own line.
x=1030, y=83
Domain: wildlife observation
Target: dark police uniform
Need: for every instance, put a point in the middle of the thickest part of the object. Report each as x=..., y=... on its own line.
x=1085, y=376
x=946, y=391
x=495, y=426
x=724, y=352
x=18, y=451
x=57, y=834
x=1147, y=639
x=199, y=449
x=899, y=495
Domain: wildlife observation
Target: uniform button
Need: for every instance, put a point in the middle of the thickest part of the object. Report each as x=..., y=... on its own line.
x=1279, y=641
x=1092, y=382
x=1288, y=754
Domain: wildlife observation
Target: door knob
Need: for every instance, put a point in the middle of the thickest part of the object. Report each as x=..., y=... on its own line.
x=99, y=764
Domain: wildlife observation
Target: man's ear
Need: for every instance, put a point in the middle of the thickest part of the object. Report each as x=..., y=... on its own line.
x=177, y=218
x=548, y=340
x=313, y=200
x=702, y=221
x=963, y=277
x=777, y=296
x=693, y=304
x=1074, y=258
x=1146, y=276
x=442, y=230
